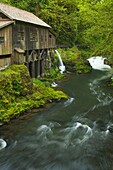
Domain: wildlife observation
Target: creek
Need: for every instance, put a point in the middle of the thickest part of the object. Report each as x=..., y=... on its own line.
x=76, y=134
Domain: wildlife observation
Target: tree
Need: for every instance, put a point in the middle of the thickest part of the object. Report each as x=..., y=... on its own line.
x=62, y=17
x=95, y=28
x=87, y=23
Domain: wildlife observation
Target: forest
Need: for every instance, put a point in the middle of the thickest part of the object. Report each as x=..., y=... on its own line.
x=87, y=24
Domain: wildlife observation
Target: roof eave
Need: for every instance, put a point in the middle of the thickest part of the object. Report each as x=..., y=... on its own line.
x=41, y=25
x=6, y=14
x=5, y=25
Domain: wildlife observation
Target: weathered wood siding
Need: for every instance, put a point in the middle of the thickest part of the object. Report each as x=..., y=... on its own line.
x=19, y=36
x=4, y=62
x=25, y=36
x=46, y=39
x=43, y=38
x=51, y=40
x=6, y=40
x=31, y=37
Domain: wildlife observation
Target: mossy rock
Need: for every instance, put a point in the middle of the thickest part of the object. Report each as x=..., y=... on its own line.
x=19, y=93
x=25, y=79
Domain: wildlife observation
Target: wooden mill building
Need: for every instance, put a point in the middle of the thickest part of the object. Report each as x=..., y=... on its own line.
x=24, y=38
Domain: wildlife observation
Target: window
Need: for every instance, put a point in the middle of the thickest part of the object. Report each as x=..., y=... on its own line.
x=33, y=36
x=50, y=36
x=21, y=36
x=1, y=40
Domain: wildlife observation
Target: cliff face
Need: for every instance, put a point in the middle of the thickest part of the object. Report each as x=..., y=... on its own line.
x=18, y=93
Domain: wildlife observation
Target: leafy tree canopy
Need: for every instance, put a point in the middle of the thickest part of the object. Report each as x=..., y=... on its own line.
x=86, y=23
x=62, y=16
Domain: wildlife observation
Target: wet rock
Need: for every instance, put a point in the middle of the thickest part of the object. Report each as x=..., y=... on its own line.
x=100, y=124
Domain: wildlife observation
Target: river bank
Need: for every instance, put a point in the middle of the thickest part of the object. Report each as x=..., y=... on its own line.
x=19, y=93
x=64, y=135
x=75, y=61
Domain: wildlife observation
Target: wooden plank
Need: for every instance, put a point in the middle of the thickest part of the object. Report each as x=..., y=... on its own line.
x=6, y=45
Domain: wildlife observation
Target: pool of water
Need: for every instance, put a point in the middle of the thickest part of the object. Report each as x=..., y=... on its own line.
x=74, y=134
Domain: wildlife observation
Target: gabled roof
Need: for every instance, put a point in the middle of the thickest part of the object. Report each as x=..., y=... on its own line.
x=21, y=15
x=5, y=23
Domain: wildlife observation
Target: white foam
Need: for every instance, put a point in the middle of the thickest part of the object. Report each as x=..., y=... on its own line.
x=43, y=130
x=3, y=144
x=97, y=63
x=106, y=132
x=89, y=130
x=54, y=84
x=68, y=102
x=74, y=130
x=62, y=68
x=77, y=125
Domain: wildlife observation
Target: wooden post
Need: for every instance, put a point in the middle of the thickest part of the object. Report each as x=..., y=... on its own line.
x=36, y=69
x=38, y=63
x=42, y=67
x=31, y=68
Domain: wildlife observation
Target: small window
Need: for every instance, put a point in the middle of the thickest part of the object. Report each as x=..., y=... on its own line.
x=1, y=40
x=21, y=36
x=50, y=36
x=33, y=36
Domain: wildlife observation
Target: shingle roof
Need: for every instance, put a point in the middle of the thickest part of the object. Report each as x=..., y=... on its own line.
x=5, y=23
x=21, y=15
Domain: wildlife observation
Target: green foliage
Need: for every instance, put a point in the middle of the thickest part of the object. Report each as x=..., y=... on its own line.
x=74, y=61
x=61, y=15
x=18, y=92
x=95, y=28
x=85, y=23
x=16, y=80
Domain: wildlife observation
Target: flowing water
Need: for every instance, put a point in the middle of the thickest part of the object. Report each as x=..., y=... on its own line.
x=97, y=63
x=76, y=134
x=61, y=64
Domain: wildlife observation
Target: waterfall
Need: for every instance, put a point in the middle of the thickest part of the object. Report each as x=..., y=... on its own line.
x=61, y=66
x=97, y=63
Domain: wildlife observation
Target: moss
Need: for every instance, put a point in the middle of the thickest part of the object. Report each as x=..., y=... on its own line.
x=19, y=93
x=54, y=72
